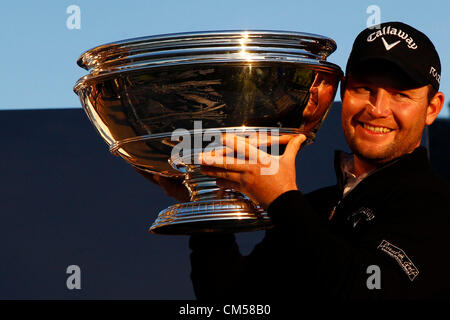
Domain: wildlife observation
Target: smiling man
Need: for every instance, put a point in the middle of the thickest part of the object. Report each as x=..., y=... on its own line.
x=383, y=230
x=393, y=123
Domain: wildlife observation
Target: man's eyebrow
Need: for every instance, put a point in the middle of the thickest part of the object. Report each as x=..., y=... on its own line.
x=359, y=80
x=387, y=81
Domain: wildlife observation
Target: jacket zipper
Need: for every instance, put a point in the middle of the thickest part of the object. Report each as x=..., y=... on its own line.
x=334, y=210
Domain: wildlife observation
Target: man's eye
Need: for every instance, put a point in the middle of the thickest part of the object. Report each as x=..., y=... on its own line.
x=362, y=89
x=401, y=95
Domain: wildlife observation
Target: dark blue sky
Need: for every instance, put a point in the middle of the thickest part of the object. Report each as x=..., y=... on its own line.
x=65, y=200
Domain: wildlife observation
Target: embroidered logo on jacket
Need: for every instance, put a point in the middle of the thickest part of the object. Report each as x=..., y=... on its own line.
x=362, y=213
x=400, y=256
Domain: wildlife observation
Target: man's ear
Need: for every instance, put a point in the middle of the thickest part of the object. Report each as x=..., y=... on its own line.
x=343, y=84
x=434, y=107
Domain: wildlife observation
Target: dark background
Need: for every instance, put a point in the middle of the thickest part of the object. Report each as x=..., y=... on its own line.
x=64, y=200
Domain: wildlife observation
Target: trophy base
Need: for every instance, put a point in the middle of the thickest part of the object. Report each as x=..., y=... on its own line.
x=221, y=215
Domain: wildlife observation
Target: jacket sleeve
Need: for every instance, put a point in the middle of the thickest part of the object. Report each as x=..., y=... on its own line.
x=216, y=266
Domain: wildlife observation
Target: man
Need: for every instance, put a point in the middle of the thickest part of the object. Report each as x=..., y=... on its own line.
x=383, y=230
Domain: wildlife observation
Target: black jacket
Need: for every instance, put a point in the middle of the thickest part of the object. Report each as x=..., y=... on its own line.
x=397, y=219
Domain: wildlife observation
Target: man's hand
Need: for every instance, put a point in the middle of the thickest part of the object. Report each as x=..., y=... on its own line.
x=173, y=187
x=263, y=177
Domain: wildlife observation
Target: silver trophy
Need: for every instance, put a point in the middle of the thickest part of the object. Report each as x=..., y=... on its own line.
x=147, y=95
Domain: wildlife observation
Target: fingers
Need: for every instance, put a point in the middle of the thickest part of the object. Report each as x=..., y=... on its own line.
x=238, y=149
x=230, y=163
x=241, y=148
x=282, y=139
x=226, y=184
x=173, y=188
x=241, y=145
x=147, y=175
x=267, y=139
x=258, y=139
x=221, y=173
x=293, y=146
x=214, y=156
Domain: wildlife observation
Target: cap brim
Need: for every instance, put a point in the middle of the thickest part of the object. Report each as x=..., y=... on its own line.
x=412, y=74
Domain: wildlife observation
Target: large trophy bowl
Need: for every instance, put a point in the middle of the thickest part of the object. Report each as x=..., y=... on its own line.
x=147, y=96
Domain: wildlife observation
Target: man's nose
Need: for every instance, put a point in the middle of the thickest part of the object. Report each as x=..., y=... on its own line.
x=379, y=103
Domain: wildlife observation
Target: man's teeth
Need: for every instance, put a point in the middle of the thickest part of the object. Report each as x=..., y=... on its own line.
x=376, y=129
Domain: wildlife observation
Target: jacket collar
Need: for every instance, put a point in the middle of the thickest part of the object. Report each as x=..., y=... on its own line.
x=414, y=161
x=373, y=191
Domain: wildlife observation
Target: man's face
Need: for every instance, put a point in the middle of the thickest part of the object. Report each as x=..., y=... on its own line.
x=383, y=116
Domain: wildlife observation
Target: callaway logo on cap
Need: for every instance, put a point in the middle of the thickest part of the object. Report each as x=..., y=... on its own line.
x=401, y=44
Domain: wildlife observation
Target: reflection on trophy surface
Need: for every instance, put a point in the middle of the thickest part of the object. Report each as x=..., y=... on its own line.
x=159, y=101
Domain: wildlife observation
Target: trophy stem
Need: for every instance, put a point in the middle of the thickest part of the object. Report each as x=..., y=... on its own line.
x=211, y=209
x=203, y=187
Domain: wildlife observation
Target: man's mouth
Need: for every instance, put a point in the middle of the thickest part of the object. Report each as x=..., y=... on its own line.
x=375, y=129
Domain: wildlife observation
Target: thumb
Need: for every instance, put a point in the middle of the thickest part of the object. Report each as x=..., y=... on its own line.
x=293, y=146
